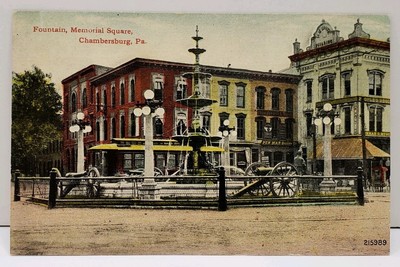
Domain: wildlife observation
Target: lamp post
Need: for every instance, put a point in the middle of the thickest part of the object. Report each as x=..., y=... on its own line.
x=149, y=109
x=80, y=126
x=268, y=130
x=225, y=131
x=327, y=116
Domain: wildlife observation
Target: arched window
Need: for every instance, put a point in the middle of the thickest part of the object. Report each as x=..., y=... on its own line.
x=375, y=78
x=122, y=126
x=375, y=118
x=84, y=98
x=132, y=91
x=289, y=100
x=275, y=98
x=158, y=127
x=97, y=131
x=223, y=93
x=73, y=102
x=133, y=125
x=113, y=96
x=122, y=93
x=105, y=129
x=114, y=128
x=328, y=86
x=260, y=97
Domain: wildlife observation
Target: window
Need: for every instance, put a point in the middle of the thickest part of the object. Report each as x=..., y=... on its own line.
x=375, y=118
x=375, y=78
x=275, y=98
x=158, y=127
x=328, y=86
x=205, y=87
x=104, y=99
x=105, y=128
x=309, y=90
x=122, y=126
x=260, y=122
x=158, y=86
x=289, y=128
x=309, y=125
x=122, y=93
x=73, y=102
x=223, y=93
x=181, y=88
x=347, y=83
x=138, y=160
x=133, y=125
x=114, y=128
x=181, y=127
x=347, y=120
x=84, y=98
x=241, y=126
x=275, y=127
x=206, y=121
x=97, y=101
x=97, y=131
x=113, y=96
x=132, y=91
x=223, y=116
x=289, y=100
x=260, y=97
x=180, y=122
x=240, y=95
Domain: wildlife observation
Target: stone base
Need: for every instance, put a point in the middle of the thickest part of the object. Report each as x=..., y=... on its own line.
x=327, y=186
x=149, y=190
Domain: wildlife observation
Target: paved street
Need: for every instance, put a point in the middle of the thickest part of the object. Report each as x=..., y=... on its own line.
x=306, y=230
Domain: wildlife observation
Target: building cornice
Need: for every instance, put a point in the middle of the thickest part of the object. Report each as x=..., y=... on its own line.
x=216, y=71
x=357, y=41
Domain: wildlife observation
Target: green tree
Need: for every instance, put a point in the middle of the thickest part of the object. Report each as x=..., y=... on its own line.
x=36, y=119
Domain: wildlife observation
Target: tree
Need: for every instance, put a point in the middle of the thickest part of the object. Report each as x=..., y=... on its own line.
x=36, y=118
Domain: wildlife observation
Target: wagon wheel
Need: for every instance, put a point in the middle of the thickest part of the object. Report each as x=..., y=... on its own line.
x=92, y=186
x=251, y=170
x=285, y=186
x=264, y=189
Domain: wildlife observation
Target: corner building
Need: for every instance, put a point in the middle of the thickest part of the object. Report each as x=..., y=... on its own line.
x=353, y=75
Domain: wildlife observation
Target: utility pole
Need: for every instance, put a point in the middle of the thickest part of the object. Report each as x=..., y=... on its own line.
x=364, y=149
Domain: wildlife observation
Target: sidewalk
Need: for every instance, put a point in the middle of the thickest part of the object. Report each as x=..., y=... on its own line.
x=304, y=230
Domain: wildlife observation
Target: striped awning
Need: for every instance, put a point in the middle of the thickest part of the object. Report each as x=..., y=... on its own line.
x=349, y=148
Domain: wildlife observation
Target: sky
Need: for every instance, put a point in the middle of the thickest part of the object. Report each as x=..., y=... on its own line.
x=260, y=42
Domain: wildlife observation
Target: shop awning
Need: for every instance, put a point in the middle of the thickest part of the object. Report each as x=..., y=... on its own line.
x=211, y=149
x=140, y=147
x=349, y=148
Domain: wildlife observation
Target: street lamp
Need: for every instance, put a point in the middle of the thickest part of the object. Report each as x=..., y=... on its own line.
x=80, y=126
x=225, y=131
x=327, y=116
x=149, y=109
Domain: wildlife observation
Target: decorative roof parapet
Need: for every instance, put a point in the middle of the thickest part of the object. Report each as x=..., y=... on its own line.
x=358, y=31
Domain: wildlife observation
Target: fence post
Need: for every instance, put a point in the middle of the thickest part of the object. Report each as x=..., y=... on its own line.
x=222, y=203
x=52, y=189
x=360, y=187
x=17, y=196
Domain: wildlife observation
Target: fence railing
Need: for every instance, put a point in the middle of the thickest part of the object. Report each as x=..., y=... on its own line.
x=218, y=188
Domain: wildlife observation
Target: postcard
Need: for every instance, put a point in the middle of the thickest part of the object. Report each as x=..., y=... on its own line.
x=200, y=134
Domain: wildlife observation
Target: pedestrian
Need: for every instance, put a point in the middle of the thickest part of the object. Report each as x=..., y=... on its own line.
x=300, y=163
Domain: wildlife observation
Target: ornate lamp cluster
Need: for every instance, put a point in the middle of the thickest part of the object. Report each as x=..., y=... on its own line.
x=150, y=106
x=80, y=124
x=327, y=115
x=225, y=130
